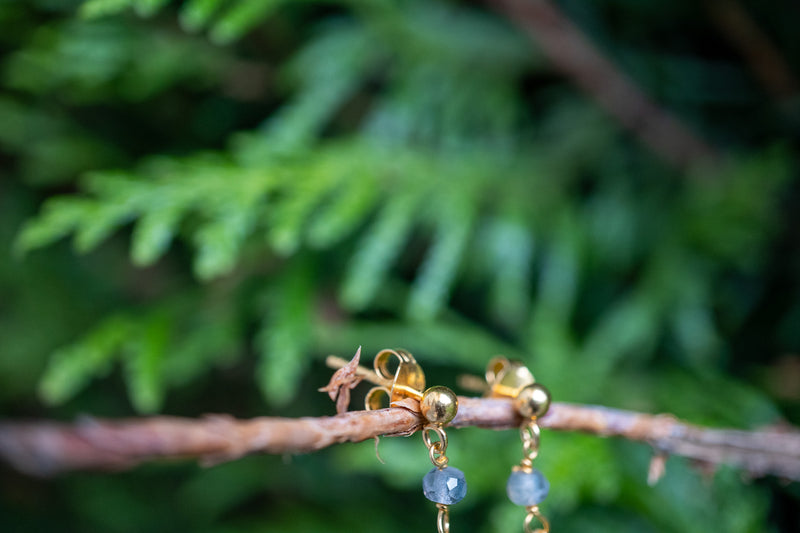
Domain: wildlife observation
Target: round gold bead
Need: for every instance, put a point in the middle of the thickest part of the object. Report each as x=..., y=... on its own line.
x=532, y=401
x=439, y=405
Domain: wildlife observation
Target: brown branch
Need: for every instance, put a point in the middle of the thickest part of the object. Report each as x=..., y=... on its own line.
x=45, y=448
x=761, y=55
x=563, y=43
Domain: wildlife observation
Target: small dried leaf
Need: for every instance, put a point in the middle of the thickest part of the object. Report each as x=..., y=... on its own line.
x=342, y=382
x=412, y=405
x=407, y=403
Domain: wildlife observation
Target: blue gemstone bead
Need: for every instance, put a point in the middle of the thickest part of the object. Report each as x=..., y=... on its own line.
x=527, y=488
x=446, y=486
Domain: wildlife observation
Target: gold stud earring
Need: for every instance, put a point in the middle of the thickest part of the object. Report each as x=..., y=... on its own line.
x=526, y=485
x=443, y=485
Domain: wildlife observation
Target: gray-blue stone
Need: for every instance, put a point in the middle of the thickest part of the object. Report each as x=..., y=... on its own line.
x=446, y=486
x=527, y=488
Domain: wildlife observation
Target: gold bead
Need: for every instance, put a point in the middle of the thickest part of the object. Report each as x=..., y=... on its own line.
x=439, y=405
x=532, y=401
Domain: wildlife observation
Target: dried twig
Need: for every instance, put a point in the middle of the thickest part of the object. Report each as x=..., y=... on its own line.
x=45, y=448
x=571, y=52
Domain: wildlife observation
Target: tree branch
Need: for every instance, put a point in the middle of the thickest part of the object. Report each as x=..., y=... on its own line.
x=563, y=43
x=760, y=53
x=46, y=448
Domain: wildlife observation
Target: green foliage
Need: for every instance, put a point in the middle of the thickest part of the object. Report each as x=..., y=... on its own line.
x=144, y=358
x=50, y=148
x=228, y=21
x=283, y=340
x=93, y=61
x=71, y=367
x=385, y=174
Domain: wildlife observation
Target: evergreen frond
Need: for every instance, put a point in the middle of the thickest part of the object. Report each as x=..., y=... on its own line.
x=59, y=218
x=228, y=21
x=283, y=342
x=219, y=240
x=102, y=8
x=343, y=211
x=143, y=356
x=95, y=60
x=146, y=8
x=210, y=338
x=300, y=200
x=71, y=368
x=380, y=246
x=241, y=17
x=153, y=235
x=453, y=227
x=508, y=247
x=196, y=14
x=327, y=72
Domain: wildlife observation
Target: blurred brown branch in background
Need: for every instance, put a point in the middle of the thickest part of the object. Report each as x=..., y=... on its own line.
x=763, y=58
x=565, y=45
x=46, y=448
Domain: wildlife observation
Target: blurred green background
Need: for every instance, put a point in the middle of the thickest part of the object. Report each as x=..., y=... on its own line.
x=199, y=200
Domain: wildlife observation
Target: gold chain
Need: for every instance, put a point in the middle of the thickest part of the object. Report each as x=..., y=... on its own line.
x=533, y=512
x=436, y=449
x=530, y=434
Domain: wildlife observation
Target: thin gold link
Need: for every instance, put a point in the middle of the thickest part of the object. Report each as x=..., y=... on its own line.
x=426, y=436
x=436, y=449
x=438, y=459
x=530, y=435
x=443, y=519
x=533, y=512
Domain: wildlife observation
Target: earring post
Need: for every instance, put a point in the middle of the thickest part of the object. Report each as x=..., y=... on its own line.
x=333, y=361
x=472, y=383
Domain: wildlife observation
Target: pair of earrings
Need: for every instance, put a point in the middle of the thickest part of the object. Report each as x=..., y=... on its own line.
x=443, y=484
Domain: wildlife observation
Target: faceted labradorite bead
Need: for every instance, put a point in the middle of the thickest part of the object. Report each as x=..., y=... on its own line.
x=446, y=486
x=527, y=488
